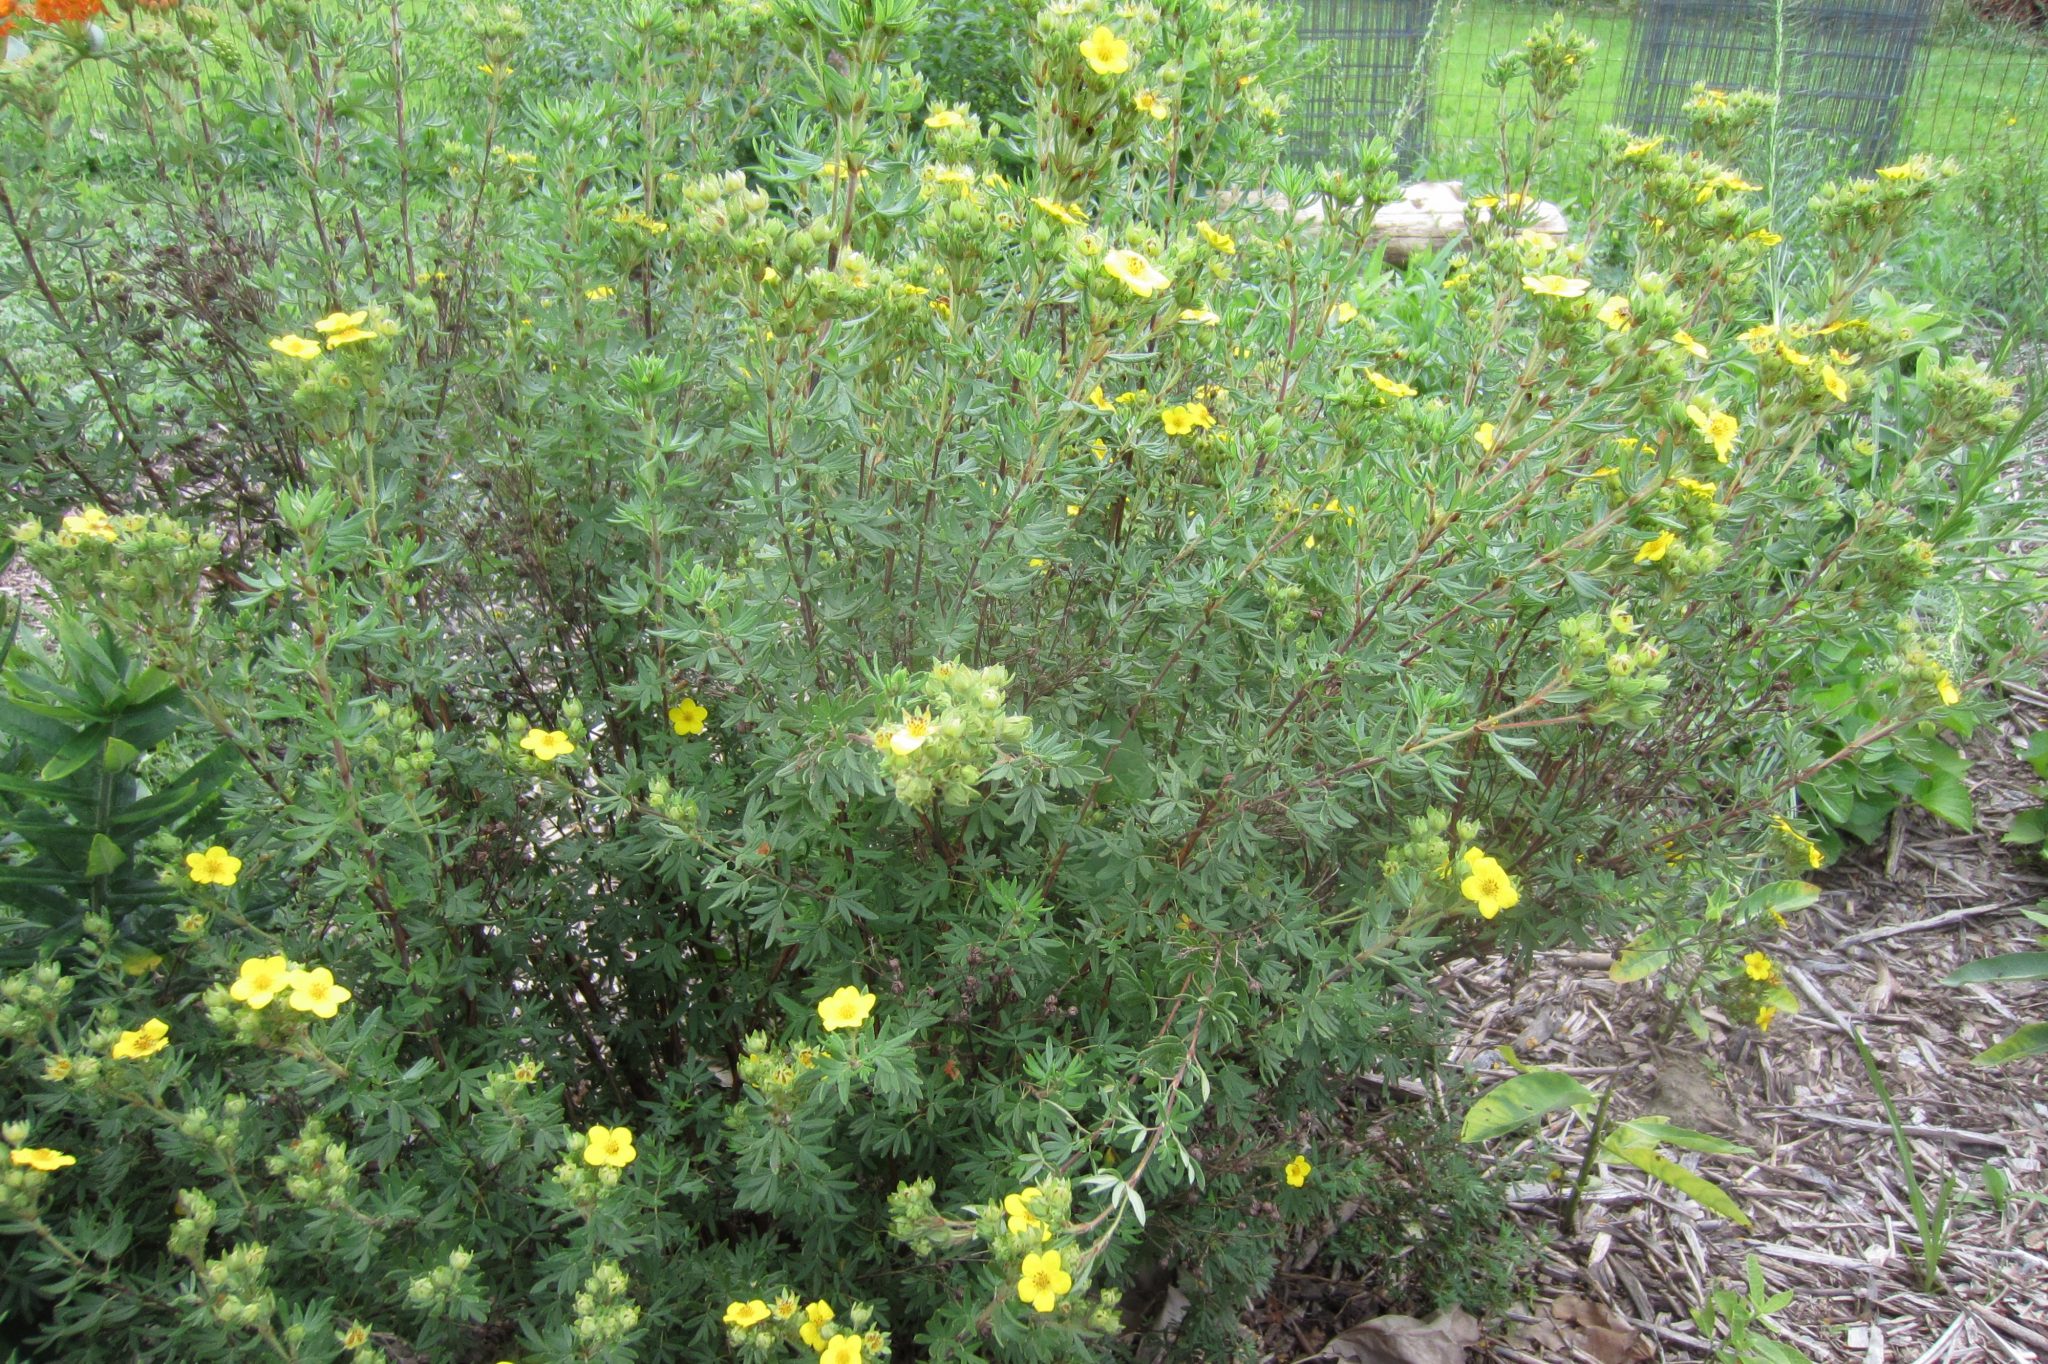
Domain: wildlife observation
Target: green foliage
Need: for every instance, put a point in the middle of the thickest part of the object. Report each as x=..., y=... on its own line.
x=787, y=718
x=2029, y=1039
x=1737, y=1322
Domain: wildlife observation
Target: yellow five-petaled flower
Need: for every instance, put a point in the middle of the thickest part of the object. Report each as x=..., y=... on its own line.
x=1298, y=1171
x=1041, y=1279
x=1720, y=428
x=1186, y=419
x=1221, y=241
x=314, y=992
x=1656, y=548
x=295, y=346
x=816, y=1315
x=547, y=744
x=262, y=979
x=1017, y=1209
x=214, y=867
x=1393, y=388
x=1487, y=884
x=1139, y=275
x=40, y=1158
x=609, y=1146
x=686, y=717
x=1759, y=967
x=147, y=1040
x=846, y=1007
x=841, y=1349
x=746, y=1314
x=1105, y=53
x=1556, y=286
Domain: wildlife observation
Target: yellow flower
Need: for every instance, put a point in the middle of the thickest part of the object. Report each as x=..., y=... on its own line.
x=1484, y=436
x=1814, y=856
x=846, y=1007
x=1344, y=312
x=1488, y=885
x=945, y=117
x=1720, y=428
x=1643, y=148
x=1099, y=400
x=687, y=717
x=147, y=1040
x=340, y=322
x=1105, y=53
x=1796, y=358
x=296, y=346
x=547, y=744
x=1556, y=286
x=1758, y=967
x=1946, y=687
x=1146, y=102
x=41, y=1158
x=1041, y=1280
x=815, y=1316
x=1017, y=1208
x=600, y=293
x=1070, y=214
x=1199, y=317
x=1141, y=276
x=1653, y=550
x=609, y=1146
x=842, y=1349
x=1222, y=241
x=57, y=1069
x=214, y=867
x=1699, y=487
x=745, y=1314
x=1298, y=1171
x=1690, y=342
x=911, y=735
x=262, y=980
x=349, y=338
x=314, y=992
x=1763, y=236
x=1615, y=313
x=1832, y=380
x=1905, y=170
x=1073, y=508
x=1393, y=388
x=1186, y=418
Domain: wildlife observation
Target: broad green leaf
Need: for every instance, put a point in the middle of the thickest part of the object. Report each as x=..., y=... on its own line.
x=2029, y=826
x=1699, y=1188
x=2031, y=1040
x=1521, y=1100
x=1646, y=956
x=2010, y=966
x=1657, y=1131
x=1945, y=797
x=1780, y=897
x=104, y=856
x=118, y=754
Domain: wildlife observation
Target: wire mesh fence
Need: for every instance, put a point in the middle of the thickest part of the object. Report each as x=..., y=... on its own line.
x=1862, y=80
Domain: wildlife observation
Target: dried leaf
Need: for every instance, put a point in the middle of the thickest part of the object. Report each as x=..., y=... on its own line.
x=1443, y=1339
x=1593, y=1328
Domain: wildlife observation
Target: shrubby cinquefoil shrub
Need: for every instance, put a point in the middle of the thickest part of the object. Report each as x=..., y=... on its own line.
x=681, y=727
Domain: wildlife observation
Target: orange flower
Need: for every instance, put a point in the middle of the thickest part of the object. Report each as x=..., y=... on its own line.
x=6, y=16
x=68, y=11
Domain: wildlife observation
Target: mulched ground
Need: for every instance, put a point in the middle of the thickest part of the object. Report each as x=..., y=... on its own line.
x=1824, y=1188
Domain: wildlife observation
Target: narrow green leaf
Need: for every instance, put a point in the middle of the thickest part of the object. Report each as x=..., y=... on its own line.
x=1656, y=1130
x=1699, y=1188
x=2009, y=966
x=1520, y=1100
x=2031, y=1040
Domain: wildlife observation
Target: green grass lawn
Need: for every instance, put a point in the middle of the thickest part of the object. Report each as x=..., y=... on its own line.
x=1961, y=98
